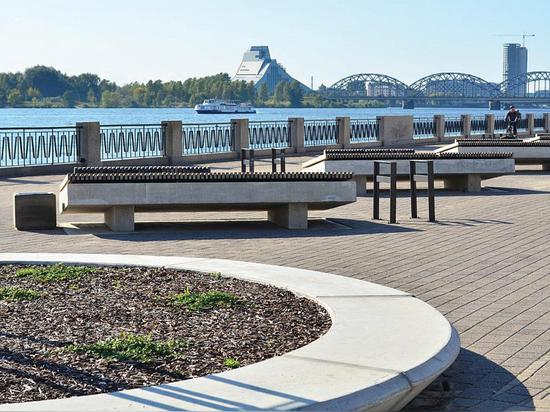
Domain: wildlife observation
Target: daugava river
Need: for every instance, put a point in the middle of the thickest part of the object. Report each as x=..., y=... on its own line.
x=68, y=117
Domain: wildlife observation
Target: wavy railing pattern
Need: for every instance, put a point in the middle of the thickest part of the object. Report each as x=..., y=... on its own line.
x=363, y=130
x=424, y=127
x=35, y=146
x=320, y=132
x=207, y=138
x=120, y=142
x=267, y=135
x=539, y=123
x=478, y=125
x=500, y=126
x=454, y=126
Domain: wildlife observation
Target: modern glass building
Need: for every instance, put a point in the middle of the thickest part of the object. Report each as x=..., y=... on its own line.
x=257, y=66
x=514, y=61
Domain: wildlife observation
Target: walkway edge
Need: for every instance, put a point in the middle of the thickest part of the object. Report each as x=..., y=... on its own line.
x=383, y=348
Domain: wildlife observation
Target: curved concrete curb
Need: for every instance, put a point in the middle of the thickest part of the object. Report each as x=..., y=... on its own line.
x=383, y=348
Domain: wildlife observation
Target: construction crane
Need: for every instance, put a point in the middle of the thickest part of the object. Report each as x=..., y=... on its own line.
x=523, y=36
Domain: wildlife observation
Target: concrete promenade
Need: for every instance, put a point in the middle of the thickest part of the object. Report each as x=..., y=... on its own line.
x=485, y=265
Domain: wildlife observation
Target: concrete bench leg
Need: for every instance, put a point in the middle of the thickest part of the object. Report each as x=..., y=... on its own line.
x=361, y=182
x=291, y=216
x=466, y=183
x=120, y=218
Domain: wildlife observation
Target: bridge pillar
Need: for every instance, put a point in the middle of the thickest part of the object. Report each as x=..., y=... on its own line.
x=546, y=122
x=530, y=124
x=174, y=144
x=439, y=121
x=90, y=143
x=343, y=131
x=494, y=105
x=466, y=125
x=407, y=104
x=489, y=125
x=297, y=133
x=395, y=130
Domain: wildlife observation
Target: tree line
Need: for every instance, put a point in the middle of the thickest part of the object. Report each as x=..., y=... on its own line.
x=42, y=86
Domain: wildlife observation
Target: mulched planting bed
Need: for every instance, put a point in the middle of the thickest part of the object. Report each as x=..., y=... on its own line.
x=67, y=331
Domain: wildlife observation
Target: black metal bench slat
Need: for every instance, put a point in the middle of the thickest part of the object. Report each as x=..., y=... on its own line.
x=140, y=169
x=415, y=156
x=511, y=143
x=167, y=177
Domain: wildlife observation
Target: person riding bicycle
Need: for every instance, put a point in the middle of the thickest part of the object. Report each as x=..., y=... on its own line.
x=512, y=119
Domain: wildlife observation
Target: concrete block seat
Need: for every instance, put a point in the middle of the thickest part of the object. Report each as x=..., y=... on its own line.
x=525, y=152
x=286, y=197
x=458, y=171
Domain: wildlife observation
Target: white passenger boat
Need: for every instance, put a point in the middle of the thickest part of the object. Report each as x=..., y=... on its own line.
x=214, y=106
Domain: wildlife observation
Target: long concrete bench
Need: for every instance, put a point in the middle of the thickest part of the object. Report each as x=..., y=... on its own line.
x=287, y=197
x=526, y=152
x=458, y=171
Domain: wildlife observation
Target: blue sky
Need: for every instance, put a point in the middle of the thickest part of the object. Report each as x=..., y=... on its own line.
x=126, y=40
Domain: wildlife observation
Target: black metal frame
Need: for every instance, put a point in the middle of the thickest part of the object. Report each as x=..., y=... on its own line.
x=427, y=176
x=247, y=157
x=390, y=178
x=278, y=156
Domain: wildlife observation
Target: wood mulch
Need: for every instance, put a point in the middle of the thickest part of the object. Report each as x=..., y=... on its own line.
x=111, y=301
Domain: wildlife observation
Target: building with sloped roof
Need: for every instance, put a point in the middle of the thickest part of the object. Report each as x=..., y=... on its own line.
x=257, y=66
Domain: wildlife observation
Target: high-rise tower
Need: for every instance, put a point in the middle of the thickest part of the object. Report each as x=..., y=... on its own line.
x=514, y=62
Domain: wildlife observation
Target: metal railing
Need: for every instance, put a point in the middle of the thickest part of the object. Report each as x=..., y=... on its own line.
x=320, y=132
x=500, y=126
x=207, y=138
x=423, y=127
x=131, y=141
x=454, y=126
x=478, y=125
x=35, y=146
x=363, y=130
x=267, y=135
x=522, y=125
x=539, y=123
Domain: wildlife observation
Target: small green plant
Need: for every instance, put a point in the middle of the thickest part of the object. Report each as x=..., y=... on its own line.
x=117, y=284
x=231, y=363
x=138, y=348
x=55, y=273
x=216, y=275
x=12, y=294
x=204, y=300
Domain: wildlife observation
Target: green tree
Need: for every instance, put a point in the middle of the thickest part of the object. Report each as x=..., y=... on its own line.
x=14, y=98
x=263, y=94
x=295, y=94
x=281, y=92
x=70, y=97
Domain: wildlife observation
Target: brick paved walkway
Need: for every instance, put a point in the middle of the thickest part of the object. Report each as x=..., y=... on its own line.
x=485, y=265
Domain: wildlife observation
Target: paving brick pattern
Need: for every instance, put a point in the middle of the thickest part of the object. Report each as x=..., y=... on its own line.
x=485, y=265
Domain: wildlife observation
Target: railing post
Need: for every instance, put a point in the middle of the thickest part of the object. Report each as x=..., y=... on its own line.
x=546, y=117
x=242, y=141
x=173, y=145
x=439, y=121
x=297, y=134
x=344, y=132
x=90, y=143
x=466, y=125
x=489, y=125
x=530, y=124
x=396, y=130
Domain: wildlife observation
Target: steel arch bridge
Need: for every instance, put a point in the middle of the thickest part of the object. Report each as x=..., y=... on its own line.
x=460, y=85
x=450, y=86
x=532, y=84
x=373, y=84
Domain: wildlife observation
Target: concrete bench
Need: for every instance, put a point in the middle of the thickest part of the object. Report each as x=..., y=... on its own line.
x=458, y=171
x=525, y=152
x=287, y=197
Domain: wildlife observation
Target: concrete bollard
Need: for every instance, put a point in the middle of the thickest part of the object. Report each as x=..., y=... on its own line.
x=489, y=125
x=174, y=143
x=466, y=125
x=530, y=124
x=297, y=134
x=546, y=122
x=396, y=130
x=439, y=121
x=240, y=130
x=90, y=143
x=344, y=131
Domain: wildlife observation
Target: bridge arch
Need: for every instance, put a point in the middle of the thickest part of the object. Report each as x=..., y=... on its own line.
x=461, y=85
x=531, y=84
x=370, y=84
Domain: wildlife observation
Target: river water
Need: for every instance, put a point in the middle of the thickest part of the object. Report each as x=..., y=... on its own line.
x=68, y=117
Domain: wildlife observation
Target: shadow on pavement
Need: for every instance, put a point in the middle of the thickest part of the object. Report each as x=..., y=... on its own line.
x=474, y=383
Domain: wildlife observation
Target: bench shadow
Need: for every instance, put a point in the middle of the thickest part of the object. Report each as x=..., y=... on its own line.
x=242, y=229
x=474, y=383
